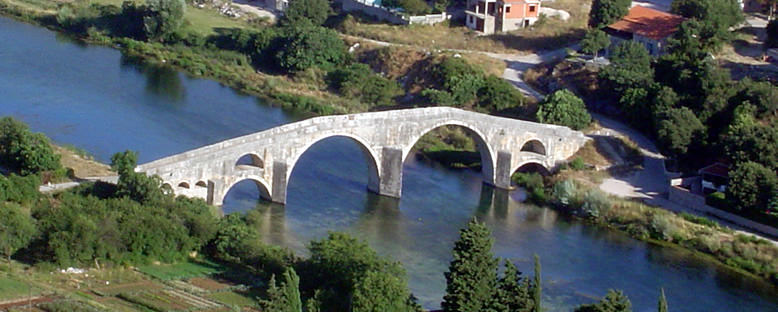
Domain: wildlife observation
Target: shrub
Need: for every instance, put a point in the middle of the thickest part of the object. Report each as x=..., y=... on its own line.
x=565, y=193
x=701, y=220
x=304, y=45
x=595, y=204
x=533, y=183
x=498, y=94
x=664, y=228
x=564, y=108
x=163, y=17
x=359, y=81
x=717, y=200
x=578, y=164
x=438, y=97
x=460, y=79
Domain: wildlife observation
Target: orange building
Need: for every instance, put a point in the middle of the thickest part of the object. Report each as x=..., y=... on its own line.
x=647, y=26
x=490, y=16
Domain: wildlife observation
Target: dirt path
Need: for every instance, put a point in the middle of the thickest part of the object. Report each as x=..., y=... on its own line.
x=516, y=64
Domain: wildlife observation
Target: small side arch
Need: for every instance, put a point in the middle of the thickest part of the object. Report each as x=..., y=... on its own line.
x=201, y=184
x=531, y=166
x=249, y=161
x=183, y=185
x=262, y=186
x=534, y=146
x=167, y=188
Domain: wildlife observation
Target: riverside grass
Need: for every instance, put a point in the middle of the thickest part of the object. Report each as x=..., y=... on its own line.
x=742, y=252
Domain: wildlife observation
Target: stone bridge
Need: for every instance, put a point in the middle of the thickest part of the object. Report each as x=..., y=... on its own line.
x=386, y=138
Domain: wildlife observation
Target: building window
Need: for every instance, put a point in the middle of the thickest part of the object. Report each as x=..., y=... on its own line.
x=471, y=18
x=532, y=8
x=507, y=9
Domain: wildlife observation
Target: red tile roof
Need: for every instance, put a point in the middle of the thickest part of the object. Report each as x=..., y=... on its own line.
x=648, y=23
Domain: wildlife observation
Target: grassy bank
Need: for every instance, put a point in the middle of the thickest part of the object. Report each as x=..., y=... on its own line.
x=584, y=200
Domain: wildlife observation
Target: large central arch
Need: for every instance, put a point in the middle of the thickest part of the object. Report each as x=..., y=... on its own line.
x=484, y=149
x=370, y=155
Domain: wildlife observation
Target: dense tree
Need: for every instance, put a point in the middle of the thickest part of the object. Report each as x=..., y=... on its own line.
x=513, y=292
x=17, y=229
x=458, y=78
x=359, y=81
x=751, y=186
x=762, y=94
x=630, y=67
x=662, y=305
x=635, y=104
x=304, y=45
x=134, y=185
x=614, y=301
x=752, y=142
x=380, y=291
x=564, y=108
x=678, y=129
x=233, y=239
x=338, y=263
x=313, y=11
x=163, y=17
x=498, y=94
x=605, y=12
x=19, y=189
x=594, y=41
x=721, y=14
x=472, y=276
x=23, y=151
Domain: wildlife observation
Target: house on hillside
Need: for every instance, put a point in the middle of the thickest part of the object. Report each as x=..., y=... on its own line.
x=491, y=16
x=647, y=26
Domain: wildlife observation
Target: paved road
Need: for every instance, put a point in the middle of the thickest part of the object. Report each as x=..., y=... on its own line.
x=48, y=188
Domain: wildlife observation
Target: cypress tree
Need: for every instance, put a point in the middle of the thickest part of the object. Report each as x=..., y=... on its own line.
x=291, y=291
x=536, y=287
x=513, y=294
x=285, y=298
x=472, y=277
x=662, y=301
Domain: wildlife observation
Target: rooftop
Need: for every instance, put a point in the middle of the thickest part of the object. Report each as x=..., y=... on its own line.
x=648, y=23
x=716, y=169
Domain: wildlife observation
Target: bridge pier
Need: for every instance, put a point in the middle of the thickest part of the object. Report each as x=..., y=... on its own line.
x=390, y=181
x=502, y=172
x=280, y=174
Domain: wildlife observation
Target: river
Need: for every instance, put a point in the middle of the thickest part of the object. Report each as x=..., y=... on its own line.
x=93, y=98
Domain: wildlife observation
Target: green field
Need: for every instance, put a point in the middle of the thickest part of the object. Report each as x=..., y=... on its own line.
x=181, y=270
x=12, y=289
x=231, y=298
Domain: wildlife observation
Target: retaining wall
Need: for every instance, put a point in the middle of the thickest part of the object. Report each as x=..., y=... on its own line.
x=390, y=15
x=683, y=197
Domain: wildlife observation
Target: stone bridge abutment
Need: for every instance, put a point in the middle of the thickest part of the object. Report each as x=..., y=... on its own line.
x=386, y=138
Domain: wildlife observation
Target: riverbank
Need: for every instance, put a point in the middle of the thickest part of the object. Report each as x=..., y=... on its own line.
x=191, y=56
x=573, y=192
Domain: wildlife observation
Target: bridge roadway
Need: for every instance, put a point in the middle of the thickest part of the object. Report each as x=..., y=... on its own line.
x=386, y=138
